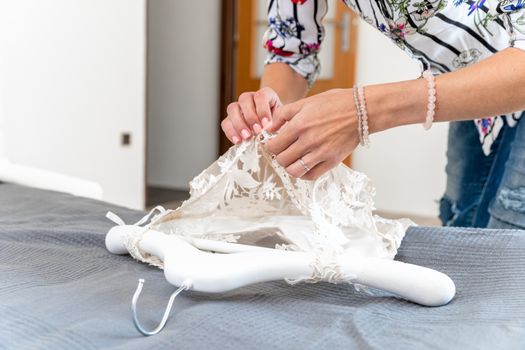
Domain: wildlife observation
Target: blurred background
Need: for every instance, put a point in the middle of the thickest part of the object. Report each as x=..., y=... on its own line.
x=129, y=94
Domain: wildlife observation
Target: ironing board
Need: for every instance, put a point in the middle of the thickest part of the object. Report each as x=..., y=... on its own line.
x=61, y=289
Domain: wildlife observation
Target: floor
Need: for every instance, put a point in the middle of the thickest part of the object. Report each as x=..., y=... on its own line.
x=168, y=198
x=172, y=199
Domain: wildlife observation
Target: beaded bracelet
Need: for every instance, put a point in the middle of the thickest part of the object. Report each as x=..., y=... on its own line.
x=364, y=116
x=431, y=106
x=358, y=110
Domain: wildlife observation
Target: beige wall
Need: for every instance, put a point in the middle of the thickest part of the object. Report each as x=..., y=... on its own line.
x=96, y=90
x=73, y=80
x=407, y=164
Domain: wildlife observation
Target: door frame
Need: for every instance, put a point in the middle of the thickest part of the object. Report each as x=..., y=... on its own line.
x=227, y=65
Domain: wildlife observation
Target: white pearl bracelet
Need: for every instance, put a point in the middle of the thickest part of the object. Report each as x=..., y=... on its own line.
x=431, y=106
x=358, y=111
x=362, y=117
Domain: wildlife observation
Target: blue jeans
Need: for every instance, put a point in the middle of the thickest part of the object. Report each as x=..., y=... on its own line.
x=484, y=191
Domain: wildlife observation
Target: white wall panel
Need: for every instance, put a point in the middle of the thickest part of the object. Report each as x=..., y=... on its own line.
x=73, y=77
x=183, y=89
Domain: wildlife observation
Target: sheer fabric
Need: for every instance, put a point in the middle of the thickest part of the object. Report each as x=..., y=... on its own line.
x=247, y=197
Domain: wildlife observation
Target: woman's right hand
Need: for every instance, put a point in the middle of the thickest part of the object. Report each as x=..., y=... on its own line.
x=250, y=114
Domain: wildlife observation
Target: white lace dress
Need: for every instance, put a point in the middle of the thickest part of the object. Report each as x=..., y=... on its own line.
x=246, y=197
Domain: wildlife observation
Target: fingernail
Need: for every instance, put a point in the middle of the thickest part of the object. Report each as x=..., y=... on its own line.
x=236, y=140
x=265, y=122
x=257, y=128
x=245, y=134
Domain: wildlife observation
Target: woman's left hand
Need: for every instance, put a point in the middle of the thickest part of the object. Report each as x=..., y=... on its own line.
x=317, y=133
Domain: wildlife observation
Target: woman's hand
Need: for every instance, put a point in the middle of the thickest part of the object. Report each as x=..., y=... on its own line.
x=320, y=132
x=250, y=114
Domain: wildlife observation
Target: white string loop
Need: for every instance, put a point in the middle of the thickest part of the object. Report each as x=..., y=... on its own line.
x=148, y=217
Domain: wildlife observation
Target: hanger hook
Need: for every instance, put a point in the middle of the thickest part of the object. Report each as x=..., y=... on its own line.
x=185, y=285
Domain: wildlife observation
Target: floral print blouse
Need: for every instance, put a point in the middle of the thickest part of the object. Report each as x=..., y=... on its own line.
x=442, y=35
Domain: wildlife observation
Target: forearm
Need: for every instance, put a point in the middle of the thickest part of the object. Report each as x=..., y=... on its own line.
x=490, y=87
x=288, y=84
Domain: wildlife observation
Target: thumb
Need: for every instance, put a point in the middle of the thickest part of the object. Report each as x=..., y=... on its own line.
x=284, y=114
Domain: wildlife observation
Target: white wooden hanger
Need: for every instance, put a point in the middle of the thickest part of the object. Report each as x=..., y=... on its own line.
x=193, y=266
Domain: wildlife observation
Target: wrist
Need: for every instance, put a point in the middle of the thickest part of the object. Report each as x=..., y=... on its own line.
x=288, y=84
x=395, y=104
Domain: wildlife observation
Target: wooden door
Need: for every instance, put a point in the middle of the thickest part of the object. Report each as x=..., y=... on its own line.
x=242, y=43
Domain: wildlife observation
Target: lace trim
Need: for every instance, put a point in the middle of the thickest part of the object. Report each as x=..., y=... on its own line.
x=132, y=239
x=330, y=216
x=325, y=268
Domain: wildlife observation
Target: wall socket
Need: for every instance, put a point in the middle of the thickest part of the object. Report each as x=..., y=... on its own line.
x=125, y=139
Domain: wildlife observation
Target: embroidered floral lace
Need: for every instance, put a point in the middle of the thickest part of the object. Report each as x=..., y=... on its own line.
x=246, y=197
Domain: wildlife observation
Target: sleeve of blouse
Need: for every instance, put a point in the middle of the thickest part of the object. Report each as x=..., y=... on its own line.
x=294, y=35
x=512, y=13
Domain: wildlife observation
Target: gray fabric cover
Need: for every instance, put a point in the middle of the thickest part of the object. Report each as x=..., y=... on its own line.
x=60, y=289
